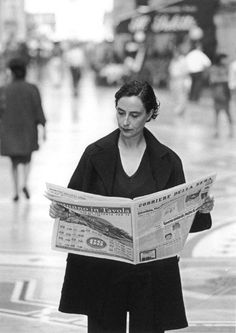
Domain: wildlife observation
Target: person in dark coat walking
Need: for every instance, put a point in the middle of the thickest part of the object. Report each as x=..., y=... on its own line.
x=128, y=162
x=21, y=114
x=221, y=94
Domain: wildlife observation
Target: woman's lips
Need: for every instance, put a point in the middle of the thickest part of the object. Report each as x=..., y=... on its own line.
x=126, y=129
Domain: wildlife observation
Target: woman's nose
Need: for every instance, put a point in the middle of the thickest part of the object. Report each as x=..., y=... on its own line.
x=126, y=120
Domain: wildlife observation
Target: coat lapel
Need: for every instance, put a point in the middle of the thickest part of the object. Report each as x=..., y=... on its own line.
x=160, y=164
x=105, y=159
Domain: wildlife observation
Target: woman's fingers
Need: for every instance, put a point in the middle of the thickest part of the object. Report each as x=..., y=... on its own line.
x=207, y=206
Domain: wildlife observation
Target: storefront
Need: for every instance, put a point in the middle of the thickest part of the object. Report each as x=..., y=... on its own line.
x=175, y=23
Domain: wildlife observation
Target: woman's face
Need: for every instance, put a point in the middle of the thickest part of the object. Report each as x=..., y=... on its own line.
x=131, y=116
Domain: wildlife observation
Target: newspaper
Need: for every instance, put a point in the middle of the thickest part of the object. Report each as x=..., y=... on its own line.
x=134, y=231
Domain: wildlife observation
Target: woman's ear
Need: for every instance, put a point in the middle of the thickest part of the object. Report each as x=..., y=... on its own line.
x=150, y=115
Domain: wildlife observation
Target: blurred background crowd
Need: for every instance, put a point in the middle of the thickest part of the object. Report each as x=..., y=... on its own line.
x=138, y=37
x=183, y=46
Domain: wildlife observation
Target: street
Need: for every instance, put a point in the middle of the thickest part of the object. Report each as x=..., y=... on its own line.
x=32, y=274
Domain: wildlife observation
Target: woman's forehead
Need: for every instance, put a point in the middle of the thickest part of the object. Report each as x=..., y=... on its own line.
x=130, y=103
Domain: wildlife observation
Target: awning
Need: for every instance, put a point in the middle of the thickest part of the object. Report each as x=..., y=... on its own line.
x=172, y=16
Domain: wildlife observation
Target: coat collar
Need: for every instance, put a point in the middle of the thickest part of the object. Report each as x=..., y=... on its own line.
x=105, y=159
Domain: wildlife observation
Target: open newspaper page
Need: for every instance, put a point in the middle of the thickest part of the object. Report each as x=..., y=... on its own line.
x=136, y=231
x=163, y=219
x=96, y=225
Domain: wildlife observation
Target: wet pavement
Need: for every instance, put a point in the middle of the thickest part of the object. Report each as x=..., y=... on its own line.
x=31, y=273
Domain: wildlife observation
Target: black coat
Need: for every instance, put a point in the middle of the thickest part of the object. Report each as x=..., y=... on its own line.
x=88, y=281
x=21, y=114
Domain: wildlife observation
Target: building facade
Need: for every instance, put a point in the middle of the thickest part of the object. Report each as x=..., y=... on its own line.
x=165, y=24
x=12, y=20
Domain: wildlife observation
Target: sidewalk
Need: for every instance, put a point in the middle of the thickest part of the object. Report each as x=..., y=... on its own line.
x=31, y=274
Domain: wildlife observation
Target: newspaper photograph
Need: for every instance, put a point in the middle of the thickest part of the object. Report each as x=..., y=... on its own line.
x=135, y=231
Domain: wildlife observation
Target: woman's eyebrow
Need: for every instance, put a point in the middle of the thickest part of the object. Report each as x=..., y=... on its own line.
x=118, y=108
x=136, y=111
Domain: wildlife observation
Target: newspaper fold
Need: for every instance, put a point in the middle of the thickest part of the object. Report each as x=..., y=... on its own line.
x=141, y=230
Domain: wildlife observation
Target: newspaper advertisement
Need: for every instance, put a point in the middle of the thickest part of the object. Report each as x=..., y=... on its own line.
x=135, y=231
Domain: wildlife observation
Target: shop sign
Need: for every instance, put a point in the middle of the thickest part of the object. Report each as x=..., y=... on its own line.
x=166, y=23
x=179, y=17
x=139, y=23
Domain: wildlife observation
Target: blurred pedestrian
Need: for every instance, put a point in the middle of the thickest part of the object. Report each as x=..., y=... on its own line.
x=128, y=162
x=179, y=81
x=21, y=115
x=232, y=75
x=23, y=52
x=220, y=91
x=75, y=60
x=197, y=63
x=232, y=78
x=57, y=65
x=10, y=49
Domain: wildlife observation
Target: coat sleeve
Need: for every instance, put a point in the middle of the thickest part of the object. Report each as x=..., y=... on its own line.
x=37, y=106
x=201, y=222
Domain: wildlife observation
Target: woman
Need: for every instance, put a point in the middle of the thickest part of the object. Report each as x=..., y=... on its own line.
x=21, y=115
x=129, y=162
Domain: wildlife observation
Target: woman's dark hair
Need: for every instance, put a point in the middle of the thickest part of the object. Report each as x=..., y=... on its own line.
x=144, y=91
x=18, y=68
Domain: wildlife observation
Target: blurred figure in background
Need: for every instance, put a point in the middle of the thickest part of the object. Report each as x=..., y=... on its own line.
x=136, y=64
x=220, y=91
x=23, y=52
x=57, y=65
x=179, y=81
x=75, y=60
x=20, y=116
x=198, y=63
x=40, y=56
x=10, y=49
x=232, y=78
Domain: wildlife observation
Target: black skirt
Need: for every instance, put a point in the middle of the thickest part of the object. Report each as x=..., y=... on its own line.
x=22, y=159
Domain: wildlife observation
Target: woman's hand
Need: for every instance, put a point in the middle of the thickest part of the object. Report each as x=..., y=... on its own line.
x=56, y=211
x=207, y=206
